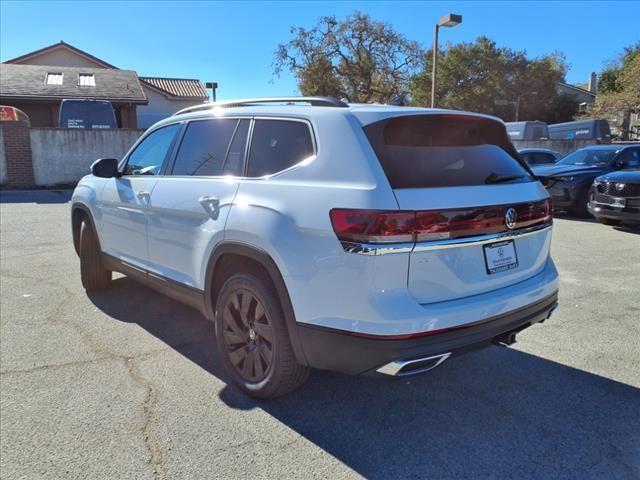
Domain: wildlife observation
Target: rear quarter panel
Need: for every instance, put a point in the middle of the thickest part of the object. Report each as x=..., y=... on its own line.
x=287, y=216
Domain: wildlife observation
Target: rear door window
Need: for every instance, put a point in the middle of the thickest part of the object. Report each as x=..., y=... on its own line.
x=277, y=145
x=421, y=151
x=234, y=163
x=204, y=147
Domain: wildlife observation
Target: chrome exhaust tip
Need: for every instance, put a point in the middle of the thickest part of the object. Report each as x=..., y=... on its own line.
x=404, y=368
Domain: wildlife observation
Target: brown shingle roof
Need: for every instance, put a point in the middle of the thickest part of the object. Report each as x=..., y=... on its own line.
x=30, y=82
x=177, y=87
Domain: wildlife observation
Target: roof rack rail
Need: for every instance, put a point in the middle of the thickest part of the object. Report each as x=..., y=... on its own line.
x=313, y=101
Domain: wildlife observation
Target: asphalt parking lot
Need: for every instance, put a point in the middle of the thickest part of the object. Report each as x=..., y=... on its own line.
x=127, y=383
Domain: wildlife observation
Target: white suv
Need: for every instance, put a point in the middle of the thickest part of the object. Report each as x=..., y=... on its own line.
x=365, y=239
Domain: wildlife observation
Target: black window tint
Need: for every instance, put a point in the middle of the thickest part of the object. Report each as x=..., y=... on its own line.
x=547, y=158
x=277, y=145
x=86, y=114
x=540, y=158
x=204, y=147
x=421, y=151
x=538, y=132
x=234, y=162
x=152, y=152
x=630, y=158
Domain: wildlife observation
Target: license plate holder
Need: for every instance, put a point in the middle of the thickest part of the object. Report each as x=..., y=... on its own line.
x=618, y=202
x=500, y=256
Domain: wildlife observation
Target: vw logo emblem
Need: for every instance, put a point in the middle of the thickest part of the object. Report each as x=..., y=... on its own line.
x=619, y=186
x=510, y=218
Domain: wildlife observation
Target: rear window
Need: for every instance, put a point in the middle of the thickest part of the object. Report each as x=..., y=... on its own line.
x=540, y=158
x=86, y=114
x=423, y=151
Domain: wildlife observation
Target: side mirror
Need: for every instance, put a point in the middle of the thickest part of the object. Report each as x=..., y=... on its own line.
x=105, y=168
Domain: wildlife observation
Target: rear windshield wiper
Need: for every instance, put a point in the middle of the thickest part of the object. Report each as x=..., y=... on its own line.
x=501, y=177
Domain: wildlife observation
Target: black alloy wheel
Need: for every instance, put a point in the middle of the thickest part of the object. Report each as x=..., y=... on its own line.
x=248, y=336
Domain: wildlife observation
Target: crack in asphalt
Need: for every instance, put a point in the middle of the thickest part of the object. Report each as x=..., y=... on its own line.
x=150, y=439
x=103, y=353
x=53, y=366
x=96, y=347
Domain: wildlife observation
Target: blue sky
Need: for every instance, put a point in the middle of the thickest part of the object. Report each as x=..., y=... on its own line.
x=233, y=42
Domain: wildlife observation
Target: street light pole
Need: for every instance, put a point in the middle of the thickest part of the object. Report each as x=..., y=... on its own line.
x=450, y=20
x=213, y=86
x=433, y=67
x=517, y=115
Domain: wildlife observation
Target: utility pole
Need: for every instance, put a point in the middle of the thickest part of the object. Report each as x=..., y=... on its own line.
x=517, y=113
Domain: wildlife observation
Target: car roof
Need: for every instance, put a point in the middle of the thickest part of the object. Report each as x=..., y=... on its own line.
x=365, y=113
x=536, y=149
x=612, y=146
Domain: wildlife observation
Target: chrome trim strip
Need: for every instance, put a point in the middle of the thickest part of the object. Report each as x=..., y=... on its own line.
x=481, y=239
x=382, y=249
x=377, y=248
x=395, y=368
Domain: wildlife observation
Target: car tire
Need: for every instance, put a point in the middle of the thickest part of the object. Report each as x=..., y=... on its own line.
x=252, y=338
x=579, y=208
x=92, y=272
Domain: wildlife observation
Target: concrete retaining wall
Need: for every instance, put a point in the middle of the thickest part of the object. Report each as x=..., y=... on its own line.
x=3, y=161
x=561, y=146
x=63, y=156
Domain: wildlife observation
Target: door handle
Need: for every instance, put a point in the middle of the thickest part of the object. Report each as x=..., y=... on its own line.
x=211, y=205
x=142, y=194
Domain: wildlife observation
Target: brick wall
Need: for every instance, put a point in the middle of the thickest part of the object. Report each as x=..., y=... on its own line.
x=17, y=154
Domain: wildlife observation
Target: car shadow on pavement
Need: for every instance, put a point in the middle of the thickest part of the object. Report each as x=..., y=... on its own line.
x=574, y=218
x=498, y=413
x=633, y=230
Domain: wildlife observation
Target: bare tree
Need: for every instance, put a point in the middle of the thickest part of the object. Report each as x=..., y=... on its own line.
x=357, y=57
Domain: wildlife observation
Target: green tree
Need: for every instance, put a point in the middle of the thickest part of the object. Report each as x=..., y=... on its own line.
x=609, y=77
x=619, y=92
x=357, y=57
x=482, y=77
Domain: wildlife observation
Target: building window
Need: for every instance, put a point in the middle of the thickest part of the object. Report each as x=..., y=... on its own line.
x=54, y=79
x=86, y=80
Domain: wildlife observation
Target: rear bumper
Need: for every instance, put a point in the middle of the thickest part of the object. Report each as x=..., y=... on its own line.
x=346, y=352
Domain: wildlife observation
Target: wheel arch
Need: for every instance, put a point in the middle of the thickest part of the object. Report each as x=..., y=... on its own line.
x=260, y=257
x=79, y=211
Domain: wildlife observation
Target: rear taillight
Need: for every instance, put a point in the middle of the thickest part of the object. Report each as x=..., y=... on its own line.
x=534, y=213
x=373, y=226
x=382, y=226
